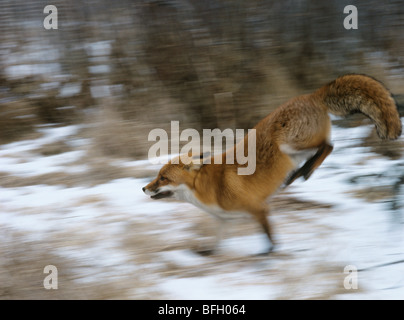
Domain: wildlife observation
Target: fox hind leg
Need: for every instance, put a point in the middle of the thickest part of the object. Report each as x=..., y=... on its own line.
x=312, y=164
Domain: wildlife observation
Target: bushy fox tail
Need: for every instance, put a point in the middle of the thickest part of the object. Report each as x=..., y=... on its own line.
x=355, y=93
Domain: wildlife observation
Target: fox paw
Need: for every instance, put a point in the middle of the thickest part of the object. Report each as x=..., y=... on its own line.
x=204, y=251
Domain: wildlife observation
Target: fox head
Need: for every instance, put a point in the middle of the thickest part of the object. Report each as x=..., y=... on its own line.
x=180, y=172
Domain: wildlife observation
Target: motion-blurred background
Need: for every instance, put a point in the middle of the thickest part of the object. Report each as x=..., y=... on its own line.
x=118, y=69
x=205, y=63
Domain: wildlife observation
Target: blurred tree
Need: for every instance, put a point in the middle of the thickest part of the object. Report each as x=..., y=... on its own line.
x=206, y=63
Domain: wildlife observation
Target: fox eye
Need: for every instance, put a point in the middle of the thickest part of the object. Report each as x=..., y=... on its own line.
x=163, y=178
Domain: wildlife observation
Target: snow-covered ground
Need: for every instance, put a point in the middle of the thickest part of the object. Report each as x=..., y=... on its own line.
x=112, y=232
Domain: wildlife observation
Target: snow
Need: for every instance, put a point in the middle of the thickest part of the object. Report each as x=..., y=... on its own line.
x=310, y=243
x=68, y=90
x=28, y=164
x=227, y=287
x=103, y=68
x=23, y=70
x=99, y=48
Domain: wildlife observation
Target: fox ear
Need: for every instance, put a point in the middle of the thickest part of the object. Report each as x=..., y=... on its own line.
x=202, y=158
x=202, y=155
x=193, y=166
x=197, y=161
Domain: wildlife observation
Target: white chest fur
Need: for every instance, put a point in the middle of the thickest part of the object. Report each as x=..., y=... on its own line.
x=183, y=193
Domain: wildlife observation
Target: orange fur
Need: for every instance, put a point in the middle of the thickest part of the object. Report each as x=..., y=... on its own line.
x=298, y=125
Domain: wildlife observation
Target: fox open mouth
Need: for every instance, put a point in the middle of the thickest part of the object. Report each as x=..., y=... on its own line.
x=161, y=195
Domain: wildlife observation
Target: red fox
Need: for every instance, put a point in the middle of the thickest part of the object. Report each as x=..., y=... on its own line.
x=299, y=126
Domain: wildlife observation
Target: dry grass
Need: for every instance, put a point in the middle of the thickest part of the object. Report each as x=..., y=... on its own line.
x=22, y=271
x=22, y=274
x=169, y=63
x=17, y=119
x=115, y=136
x=148, y=247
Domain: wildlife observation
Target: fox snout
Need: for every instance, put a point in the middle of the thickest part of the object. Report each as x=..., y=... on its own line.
x=156, y=193
x=149, y=190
